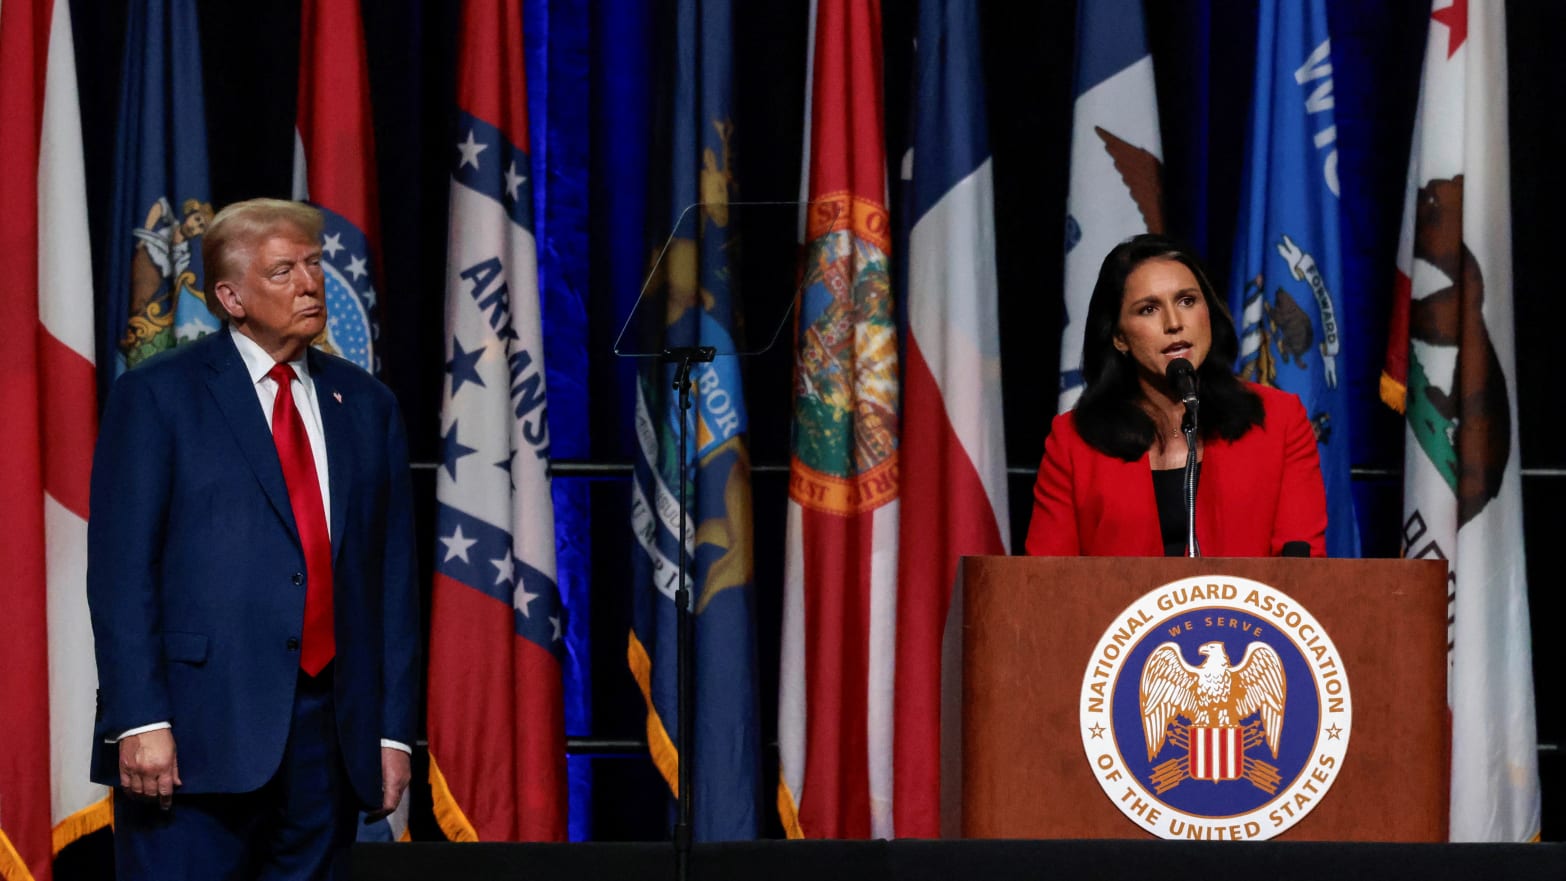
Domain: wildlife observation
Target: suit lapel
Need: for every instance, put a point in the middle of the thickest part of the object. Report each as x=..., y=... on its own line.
x=337, y=425
x=235, y=394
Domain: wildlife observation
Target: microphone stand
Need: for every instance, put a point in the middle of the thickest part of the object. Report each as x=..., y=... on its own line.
x=683, y=357
x=1188, y=427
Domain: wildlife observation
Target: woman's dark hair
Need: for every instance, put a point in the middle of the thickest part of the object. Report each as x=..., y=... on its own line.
x=1108, y=416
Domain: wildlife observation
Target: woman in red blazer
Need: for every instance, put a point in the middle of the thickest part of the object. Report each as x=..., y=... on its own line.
x=1111, y=482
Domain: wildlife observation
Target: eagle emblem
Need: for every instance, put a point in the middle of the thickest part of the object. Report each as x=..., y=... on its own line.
x=1215, y=699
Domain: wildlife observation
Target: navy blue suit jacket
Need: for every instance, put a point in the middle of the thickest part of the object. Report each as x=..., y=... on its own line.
x=195, y=574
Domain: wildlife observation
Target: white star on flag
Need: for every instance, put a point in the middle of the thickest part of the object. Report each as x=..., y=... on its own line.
x=514, y=181
x=457, y=545
x=356, y=268
x=521, y=599
x=503, y=567
x=332, y=244
x=470, y=150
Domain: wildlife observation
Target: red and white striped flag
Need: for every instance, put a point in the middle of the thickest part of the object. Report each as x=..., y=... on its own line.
x=840, y=575
x=47, y=391
x=1451, y=368
x=953, y=438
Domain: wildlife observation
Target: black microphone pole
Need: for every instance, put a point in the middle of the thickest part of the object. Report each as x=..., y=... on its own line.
x=1182, y=378
x=683, y=357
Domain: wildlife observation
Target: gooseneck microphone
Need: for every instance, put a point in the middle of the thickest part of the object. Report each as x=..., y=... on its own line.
x=1182, y=378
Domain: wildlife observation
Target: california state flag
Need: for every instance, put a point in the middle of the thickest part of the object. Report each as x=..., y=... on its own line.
x=1451, y=369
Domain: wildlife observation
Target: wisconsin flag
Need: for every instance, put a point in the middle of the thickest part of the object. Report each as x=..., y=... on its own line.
x=47, y=393
x=1286, y=289
x=162, y=203
x=835, y=702
x=334, y=169
x=1451, y=368
x=495, y=718
x=700, y=300
x=1116, y=183
x=953, y=434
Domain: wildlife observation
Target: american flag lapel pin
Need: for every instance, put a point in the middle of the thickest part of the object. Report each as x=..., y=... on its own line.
x=337, y=396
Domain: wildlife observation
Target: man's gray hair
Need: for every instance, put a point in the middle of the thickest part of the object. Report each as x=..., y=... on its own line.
x=241, y=226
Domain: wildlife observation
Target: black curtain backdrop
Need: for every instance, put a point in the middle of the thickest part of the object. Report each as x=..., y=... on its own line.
x=249, y=63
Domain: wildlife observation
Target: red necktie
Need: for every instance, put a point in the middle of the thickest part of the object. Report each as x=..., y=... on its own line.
x=304, y=494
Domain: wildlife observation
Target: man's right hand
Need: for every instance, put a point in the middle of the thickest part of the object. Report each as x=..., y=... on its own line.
x=148, y=766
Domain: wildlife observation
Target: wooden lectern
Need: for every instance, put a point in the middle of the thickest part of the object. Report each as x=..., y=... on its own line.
x=1031, y=624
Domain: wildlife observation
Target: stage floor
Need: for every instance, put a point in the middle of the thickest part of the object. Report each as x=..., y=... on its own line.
x=915, y=860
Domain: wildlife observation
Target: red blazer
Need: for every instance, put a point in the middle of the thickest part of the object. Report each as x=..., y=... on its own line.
x=1255, y=493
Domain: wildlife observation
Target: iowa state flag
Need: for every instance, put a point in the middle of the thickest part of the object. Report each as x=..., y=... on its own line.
x=1286, y=291
x=1451, y=368
x=953, y=434
x=1116, y=183
x=334, y=170
x=496, y=718
x=695, y=285
x=840, y=575
x=162, y=202
x=47, y=393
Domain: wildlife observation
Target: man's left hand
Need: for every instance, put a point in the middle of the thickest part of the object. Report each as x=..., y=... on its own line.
x=396, y=772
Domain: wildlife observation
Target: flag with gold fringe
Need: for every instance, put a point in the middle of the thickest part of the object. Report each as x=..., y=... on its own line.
x=835, y=700
x=496, y=713
x=1451, y=369
x=47, y=393
x=694, y=300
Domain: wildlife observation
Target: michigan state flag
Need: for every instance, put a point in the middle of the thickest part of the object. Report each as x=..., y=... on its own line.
x=1285, y=292
x=162, y=202
x=702, y=309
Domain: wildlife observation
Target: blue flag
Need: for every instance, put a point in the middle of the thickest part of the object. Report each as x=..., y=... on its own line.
x=162, y=202
x=717, y=530
x=1285, y=292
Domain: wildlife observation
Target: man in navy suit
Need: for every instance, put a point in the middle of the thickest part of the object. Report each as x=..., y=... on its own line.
x=251, y=580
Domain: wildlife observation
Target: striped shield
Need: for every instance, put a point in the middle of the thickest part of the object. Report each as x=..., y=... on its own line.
x=1216, y=753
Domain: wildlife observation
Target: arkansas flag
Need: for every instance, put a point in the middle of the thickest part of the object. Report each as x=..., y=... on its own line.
x=1451, y=369
x=840, y=571
x=334, y=170
x=496, y=714
x=48, y=396
x=953, y=437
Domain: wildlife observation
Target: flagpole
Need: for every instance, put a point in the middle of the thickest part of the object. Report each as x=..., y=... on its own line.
x=683, y=357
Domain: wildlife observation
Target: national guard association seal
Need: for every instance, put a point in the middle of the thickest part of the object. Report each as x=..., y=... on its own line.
x=1215, y=708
